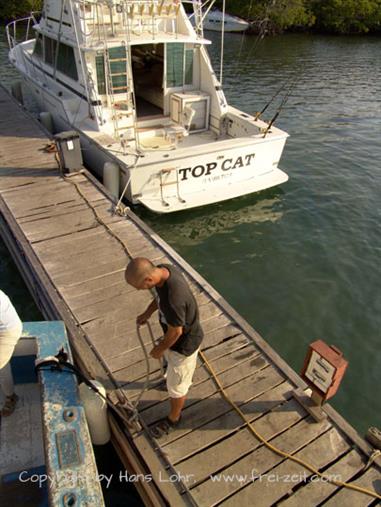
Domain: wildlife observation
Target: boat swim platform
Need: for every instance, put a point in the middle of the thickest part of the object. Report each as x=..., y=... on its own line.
x=72, y=252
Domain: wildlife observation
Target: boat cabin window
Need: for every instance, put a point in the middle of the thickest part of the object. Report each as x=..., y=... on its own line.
x=66, y=61
x=179, y=64
x=37, y=51
x=65, y=58
x=101, y=79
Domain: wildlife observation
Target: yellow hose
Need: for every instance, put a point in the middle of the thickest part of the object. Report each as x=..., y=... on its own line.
x=279, y=451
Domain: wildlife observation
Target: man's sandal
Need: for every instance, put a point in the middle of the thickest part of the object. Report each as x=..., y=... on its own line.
x=9, y=405
x=164, y=427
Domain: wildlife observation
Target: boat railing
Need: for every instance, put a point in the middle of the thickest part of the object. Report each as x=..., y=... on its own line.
x=112, y=18
x=23, y=26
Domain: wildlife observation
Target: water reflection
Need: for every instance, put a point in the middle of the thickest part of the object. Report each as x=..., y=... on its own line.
x=193, y=227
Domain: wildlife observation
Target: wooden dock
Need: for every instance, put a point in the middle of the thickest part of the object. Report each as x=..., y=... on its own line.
x=72, y=252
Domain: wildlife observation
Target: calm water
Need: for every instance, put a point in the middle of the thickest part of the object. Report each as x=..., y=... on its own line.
x=299, y=262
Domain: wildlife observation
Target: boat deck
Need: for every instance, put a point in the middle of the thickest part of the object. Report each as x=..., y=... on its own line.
x=72, y=252
x=46, y=456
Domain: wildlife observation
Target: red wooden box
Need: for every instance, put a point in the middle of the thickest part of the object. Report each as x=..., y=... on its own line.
x=324, y=368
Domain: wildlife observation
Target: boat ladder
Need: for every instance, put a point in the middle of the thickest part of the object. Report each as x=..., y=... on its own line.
x=120, y=93
x=165, y=176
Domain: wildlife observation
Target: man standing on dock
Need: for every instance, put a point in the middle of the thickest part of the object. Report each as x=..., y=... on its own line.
x=179, y=318
x=10, y=332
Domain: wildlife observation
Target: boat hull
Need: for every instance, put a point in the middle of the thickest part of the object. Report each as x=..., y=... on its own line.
x=220, y=171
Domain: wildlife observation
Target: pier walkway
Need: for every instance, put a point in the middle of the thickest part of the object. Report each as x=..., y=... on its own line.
x=72, y=251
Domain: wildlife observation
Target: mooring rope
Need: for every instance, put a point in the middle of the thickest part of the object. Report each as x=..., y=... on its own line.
x=278, y=451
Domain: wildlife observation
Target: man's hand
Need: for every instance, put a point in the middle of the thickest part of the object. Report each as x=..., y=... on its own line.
x=157, y=352
x=142, y=319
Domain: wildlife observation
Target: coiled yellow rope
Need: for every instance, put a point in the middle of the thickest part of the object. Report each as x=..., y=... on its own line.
x=279, y=451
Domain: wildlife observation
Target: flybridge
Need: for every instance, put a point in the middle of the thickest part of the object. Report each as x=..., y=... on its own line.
x=92, y=21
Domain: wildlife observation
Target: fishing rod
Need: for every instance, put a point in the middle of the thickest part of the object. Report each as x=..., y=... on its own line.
x=259, y=114
x=281, y=106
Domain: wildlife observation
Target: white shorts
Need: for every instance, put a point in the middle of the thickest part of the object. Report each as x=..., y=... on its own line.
x=180, y=372
x=8, y=341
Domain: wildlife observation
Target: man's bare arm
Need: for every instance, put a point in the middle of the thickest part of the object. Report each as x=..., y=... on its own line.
x=170, y=338
x=142, y=319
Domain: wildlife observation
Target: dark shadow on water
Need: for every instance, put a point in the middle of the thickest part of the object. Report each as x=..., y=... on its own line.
x=117, y=490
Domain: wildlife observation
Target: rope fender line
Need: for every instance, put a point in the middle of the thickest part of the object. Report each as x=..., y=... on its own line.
x=61, y=364
x=278, y=451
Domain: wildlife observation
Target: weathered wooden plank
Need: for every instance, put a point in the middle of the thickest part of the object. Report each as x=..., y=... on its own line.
x=154, y=403
x=124, y=321
x=260, y=460
x=214, y=324
x=121, y=300
x=47, y=229
x=13, y=158
x=111, y=337
x=51, y=250
x=369, y=480
x=89, y=273
x=134, y=465
x=213, y=337
x=107, y=292
x=42, y=197
x=226, y=345
x=272, y=416
x=8, y=184
x=57, y=210
x=170, y=488
x=13, y=177
x=104, y=292
x=99, y=252
x=314, y=493
x=51, y=305
x=270, y=488
x=206, y=409
x=137, y=370
x=101, y=255
x=200, y=374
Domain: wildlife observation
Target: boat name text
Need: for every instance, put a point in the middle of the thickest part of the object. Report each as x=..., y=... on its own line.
x=205, y=170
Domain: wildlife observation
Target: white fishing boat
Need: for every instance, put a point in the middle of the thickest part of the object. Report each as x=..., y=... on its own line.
x=216, y=20
x=134, y=78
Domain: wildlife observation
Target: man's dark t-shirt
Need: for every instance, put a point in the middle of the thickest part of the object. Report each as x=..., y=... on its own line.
x=178, y=307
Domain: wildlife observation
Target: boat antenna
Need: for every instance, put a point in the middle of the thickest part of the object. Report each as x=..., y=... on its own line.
x=222, y=40
x=263, y=25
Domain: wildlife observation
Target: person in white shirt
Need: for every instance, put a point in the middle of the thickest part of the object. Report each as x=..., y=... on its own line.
x=10, y=332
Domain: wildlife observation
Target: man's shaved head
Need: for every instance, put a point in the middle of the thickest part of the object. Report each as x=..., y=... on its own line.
x=138, y=271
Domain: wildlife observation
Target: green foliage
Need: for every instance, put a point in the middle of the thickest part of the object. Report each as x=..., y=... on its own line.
x=282, y=14
x=11, y=9
x=335, y=16
x=278, y=15
x=347, y=16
